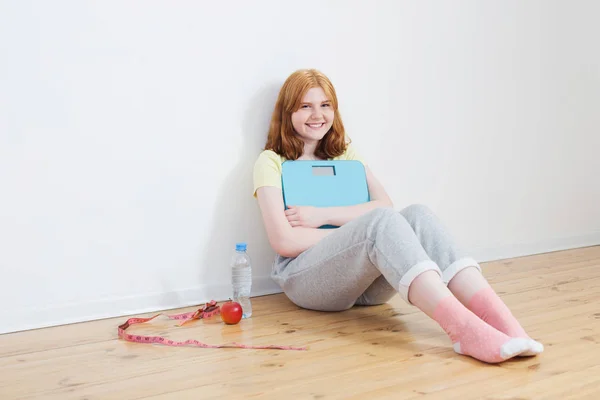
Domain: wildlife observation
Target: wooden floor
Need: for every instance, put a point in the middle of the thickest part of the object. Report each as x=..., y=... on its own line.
x=389, y=351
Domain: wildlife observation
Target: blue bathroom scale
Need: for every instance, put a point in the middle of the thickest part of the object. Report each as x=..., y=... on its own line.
x=332, y=183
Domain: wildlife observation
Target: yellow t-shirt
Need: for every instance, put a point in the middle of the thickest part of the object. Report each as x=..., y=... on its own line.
x=267, y=168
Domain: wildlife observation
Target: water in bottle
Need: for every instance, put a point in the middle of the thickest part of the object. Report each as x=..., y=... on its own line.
x=241, y=278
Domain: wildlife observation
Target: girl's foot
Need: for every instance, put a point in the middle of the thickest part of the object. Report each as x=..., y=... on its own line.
x=473, y=337
x=486, y=304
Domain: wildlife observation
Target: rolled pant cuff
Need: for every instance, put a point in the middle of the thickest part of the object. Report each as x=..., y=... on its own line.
x=458, y=266
x=412, y=274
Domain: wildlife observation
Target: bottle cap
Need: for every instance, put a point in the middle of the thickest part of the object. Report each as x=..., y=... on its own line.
x=240, y=246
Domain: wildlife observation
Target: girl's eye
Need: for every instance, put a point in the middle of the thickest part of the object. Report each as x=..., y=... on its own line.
x=305, y=106
x=326, y=105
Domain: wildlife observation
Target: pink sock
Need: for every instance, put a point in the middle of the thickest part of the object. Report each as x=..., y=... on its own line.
x=489, y=307
x=473, y=337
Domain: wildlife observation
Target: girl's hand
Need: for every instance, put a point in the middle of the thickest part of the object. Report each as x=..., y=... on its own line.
x=305, y=216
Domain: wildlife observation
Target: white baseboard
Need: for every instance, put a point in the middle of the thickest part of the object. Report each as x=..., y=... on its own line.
x=53, y=315
x=513, y=250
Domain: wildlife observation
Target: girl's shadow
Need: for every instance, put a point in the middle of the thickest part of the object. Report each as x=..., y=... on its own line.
x=237, y=216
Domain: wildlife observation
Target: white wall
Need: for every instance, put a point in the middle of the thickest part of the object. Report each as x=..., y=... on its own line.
x=113, y=201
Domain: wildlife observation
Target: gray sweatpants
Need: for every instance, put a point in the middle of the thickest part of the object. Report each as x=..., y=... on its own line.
x=370, y=259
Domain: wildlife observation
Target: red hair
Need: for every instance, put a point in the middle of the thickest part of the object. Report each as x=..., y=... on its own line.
x=282, y=138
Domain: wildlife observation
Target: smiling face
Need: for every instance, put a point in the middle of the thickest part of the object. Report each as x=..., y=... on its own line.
x=306, y=121
x=315, y=116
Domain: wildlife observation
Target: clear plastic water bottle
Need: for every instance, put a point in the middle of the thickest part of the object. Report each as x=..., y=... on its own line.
x=241, y=278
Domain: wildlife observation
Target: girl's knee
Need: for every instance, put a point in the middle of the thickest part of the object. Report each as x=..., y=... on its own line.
x=382, y=214
x=385, y=219
x=416, y=211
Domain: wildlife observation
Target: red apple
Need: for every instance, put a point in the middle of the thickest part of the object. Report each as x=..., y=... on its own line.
x=231, y=312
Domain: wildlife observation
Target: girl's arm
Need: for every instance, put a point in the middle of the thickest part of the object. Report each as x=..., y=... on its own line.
x=285, y=240
x=303, y=216
x=379, y=198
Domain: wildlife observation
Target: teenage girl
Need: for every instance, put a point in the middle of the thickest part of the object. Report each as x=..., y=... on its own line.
x=376, y=251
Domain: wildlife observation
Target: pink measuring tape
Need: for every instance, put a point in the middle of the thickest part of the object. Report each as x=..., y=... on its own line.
x=210, y=309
